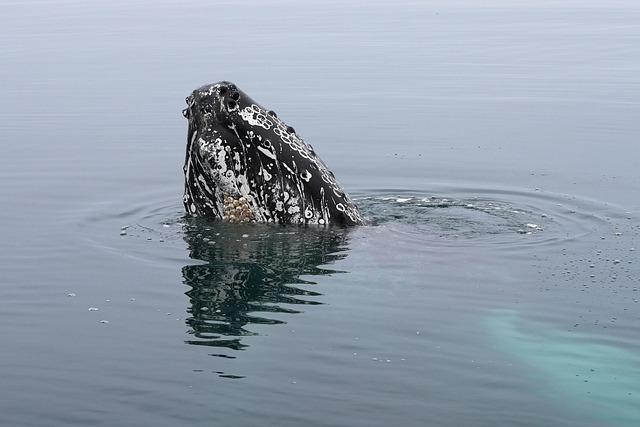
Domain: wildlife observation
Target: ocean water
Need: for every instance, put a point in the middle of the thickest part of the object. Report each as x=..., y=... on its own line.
x=493, y=145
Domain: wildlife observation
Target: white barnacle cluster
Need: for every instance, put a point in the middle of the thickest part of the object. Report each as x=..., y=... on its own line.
x=237, y=210
x=256, y=116
x=293, y=141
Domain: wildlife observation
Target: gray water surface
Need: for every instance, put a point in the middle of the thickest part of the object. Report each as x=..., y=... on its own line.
x=493, y=146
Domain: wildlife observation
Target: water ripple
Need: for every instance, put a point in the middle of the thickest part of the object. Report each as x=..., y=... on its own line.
x=243, y=275
x=481, y=216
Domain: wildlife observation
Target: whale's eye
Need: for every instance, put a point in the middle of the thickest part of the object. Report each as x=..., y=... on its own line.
x=231, y=104
x=222, y=90
x=290, y=129
x=272, y=113
x=235, y=95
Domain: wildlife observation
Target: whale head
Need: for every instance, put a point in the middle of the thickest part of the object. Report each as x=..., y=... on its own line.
x=239, y=150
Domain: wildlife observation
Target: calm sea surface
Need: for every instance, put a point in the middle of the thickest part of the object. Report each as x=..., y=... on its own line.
x=494, y=145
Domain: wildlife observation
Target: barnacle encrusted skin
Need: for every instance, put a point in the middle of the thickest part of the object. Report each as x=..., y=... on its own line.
x=236, y=209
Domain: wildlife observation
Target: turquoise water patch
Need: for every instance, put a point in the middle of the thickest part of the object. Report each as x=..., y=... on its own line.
x=576, y=371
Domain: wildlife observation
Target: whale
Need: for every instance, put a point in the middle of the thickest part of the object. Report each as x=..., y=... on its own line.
x=585, y=375
x=244, y=164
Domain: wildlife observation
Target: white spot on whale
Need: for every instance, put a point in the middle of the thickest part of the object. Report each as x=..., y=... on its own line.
x=306, y=175
x=267, y=153
x=293, y=210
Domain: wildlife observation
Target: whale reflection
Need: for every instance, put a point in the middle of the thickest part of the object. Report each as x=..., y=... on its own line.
x=252, y=274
